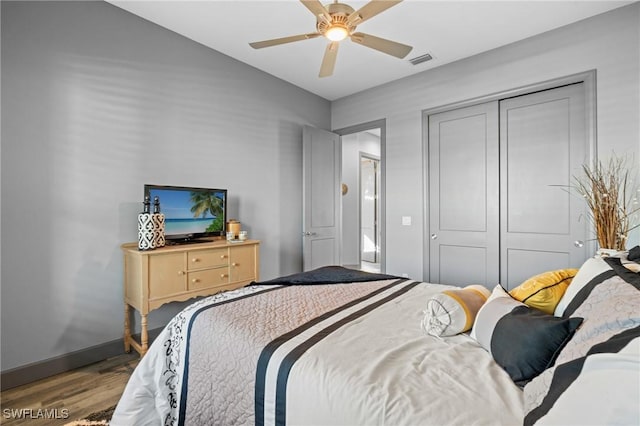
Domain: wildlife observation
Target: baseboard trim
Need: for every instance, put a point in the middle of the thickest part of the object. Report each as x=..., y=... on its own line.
x=42, y=369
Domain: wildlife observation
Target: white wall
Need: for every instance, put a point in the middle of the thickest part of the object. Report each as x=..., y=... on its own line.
x=609, y=43
x=96, y=102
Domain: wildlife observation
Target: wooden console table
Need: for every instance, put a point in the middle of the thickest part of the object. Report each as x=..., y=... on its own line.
x=181, y=272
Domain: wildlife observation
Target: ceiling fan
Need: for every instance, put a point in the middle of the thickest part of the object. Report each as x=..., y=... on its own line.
x=337, y=21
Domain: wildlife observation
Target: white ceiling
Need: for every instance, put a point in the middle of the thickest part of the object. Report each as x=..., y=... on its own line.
x=448, y=30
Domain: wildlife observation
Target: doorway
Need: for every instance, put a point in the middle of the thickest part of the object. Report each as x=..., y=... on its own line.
x=362, y=201
x=369, y=213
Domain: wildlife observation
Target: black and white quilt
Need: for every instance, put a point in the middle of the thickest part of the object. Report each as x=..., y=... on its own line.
x=330, y=353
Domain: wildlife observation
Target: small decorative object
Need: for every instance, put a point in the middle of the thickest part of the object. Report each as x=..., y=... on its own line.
x=612, y=198
x=230, y=236
x=146, y=228
x=608, y=252
x=243, y=235
x=158, y=223
x=234, y=227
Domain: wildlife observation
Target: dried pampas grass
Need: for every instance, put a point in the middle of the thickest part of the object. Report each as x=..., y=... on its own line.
x=612, y=198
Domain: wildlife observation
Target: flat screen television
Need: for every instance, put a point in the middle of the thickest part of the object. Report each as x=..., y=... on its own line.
x=190, y=213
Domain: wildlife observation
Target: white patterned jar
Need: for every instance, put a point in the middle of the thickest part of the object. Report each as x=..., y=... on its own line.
x=146, y=228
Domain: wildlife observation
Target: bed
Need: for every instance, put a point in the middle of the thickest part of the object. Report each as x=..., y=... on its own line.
x=338, y=346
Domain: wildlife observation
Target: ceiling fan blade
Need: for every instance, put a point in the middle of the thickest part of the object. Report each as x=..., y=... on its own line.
x=370, y=10
x=389, y=47
x=329, y=60
x=317, y=9
x=283, y=40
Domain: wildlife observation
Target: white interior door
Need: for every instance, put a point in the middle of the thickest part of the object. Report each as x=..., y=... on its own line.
x=321, y=198
x=463, y=196
x=542, y=145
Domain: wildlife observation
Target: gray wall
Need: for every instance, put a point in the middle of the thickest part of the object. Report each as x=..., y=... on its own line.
x=95, y=103
x=609, y=43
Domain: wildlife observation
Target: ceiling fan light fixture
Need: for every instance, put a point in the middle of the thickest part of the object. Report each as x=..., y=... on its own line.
x=337, y=32
x=337, y=21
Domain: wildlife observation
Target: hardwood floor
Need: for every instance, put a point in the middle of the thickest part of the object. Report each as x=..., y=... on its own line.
x=74, y=394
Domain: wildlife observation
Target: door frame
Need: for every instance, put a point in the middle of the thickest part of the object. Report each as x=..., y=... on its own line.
x=376, y=124
x=378, y=233
x=588, y=78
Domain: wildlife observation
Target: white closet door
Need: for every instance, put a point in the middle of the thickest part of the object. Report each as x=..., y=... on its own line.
x=542, y=145
x=463, y=196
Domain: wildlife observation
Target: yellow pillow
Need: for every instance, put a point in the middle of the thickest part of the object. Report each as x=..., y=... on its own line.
x=545, y=290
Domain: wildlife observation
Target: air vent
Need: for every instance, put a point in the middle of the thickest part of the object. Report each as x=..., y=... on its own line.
x=420, y=59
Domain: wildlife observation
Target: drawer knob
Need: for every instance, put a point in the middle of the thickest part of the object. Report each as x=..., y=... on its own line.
x=180, y=272
x=234, y=264
x=223, y=275
x=195, y=280
x=195, y=259
x=223, y=256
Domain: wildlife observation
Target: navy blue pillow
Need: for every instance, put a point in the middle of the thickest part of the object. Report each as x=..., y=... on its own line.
x=526, y=341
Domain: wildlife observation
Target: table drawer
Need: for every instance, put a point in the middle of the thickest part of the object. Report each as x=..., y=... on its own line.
x=208, y=278
x=200, y=259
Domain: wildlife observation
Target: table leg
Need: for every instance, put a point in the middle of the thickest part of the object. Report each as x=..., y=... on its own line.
x=127, y=329
x=144, y=334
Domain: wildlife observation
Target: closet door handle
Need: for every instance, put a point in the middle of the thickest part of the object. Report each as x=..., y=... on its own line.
x=434, y=236
x=578, y=243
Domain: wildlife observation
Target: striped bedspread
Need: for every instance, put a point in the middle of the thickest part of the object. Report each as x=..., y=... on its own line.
x=340, y=353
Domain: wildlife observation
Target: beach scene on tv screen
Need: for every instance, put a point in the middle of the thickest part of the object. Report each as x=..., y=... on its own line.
x=188, y=212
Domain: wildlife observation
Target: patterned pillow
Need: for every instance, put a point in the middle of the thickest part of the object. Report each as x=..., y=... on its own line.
x=545, y=290
x=599, y=389
x=453, y=311
x=523, y=341
x=591, y=268
x=603, y=354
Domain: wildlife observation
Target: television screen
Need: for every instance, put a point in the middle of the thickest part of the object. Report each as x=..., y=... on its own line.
x=190, y=213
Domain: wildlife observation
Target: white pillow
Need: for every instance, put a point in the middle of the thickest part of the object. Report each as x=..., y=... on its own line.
x=482, y=332
x=590, y=269
x=453, y=311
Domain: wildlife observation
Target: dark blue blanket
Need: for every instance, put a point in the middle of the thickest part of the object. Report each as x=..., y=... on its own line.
x=328, y=275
